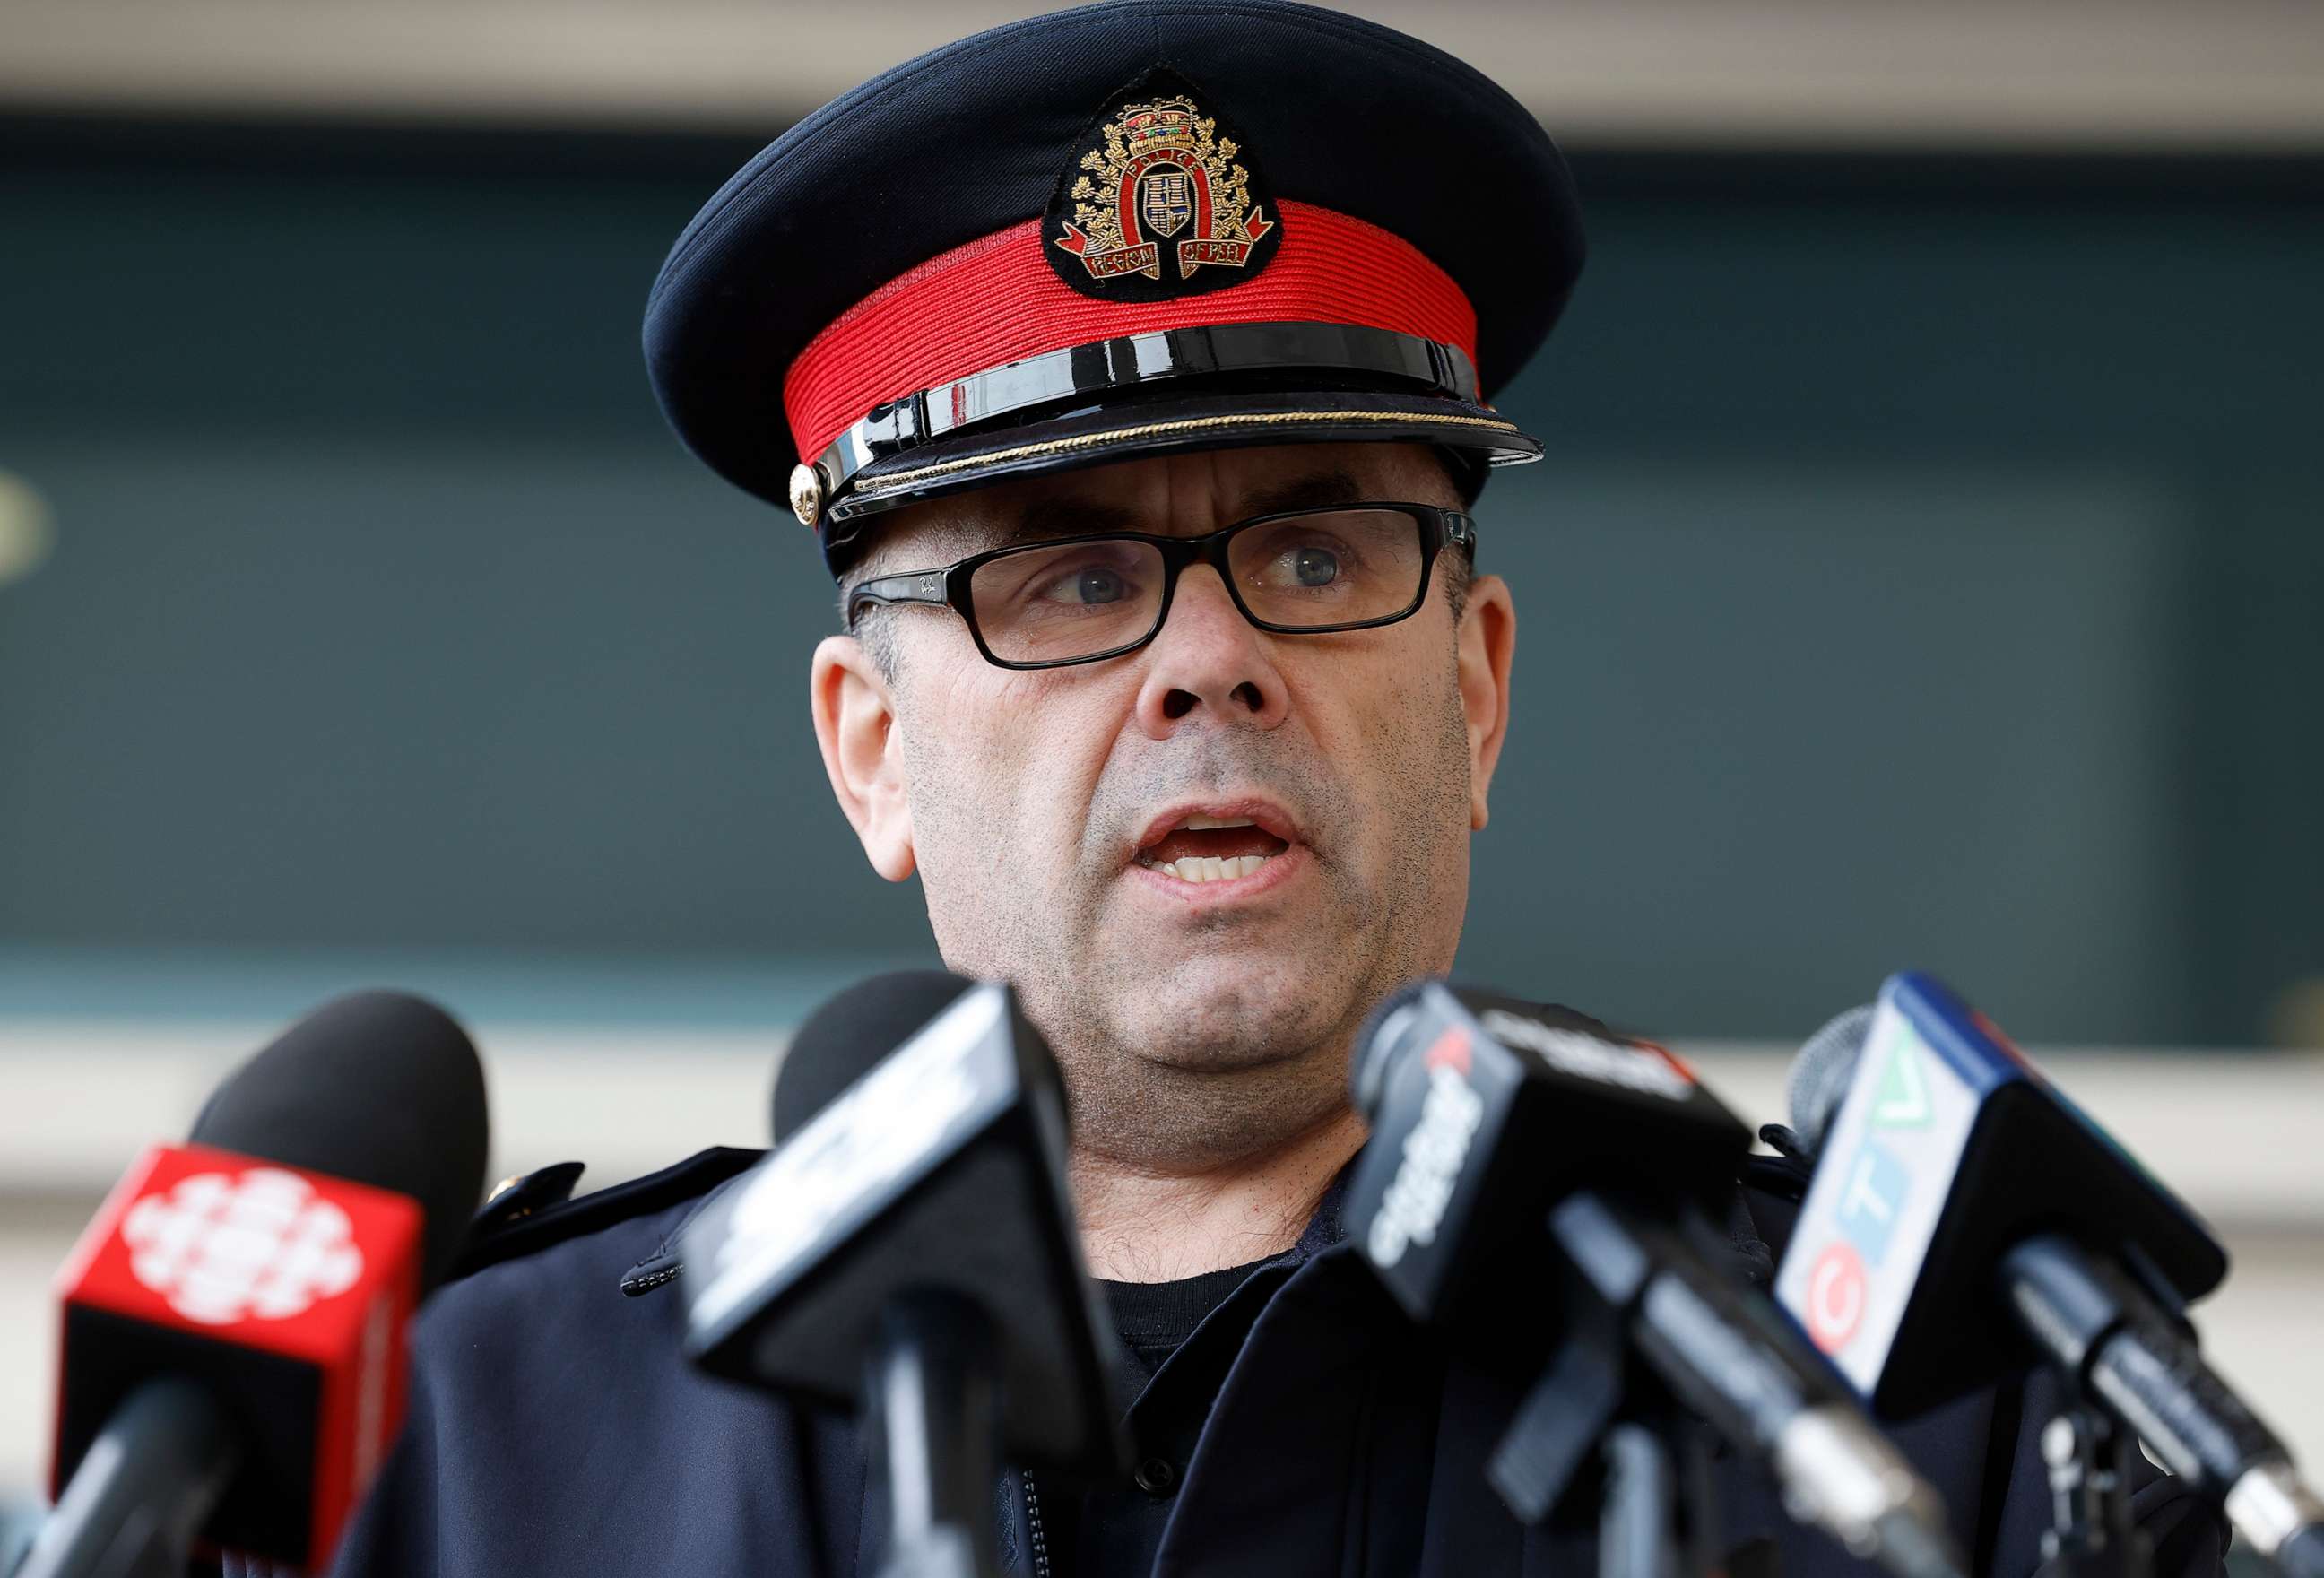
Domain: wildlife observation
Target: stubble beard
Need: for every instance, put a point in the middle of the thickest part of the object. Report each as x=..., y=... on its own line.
x=1182, y=1058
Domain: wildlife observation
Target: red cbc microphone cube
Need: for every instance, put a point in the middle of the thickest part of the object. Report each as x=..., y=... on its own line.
x=285, y=1294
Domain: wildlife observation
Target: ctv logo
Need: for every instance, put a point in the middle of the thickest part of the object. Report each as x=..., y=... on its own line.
x=225, y=1248
x=1872, y=1198
x=1412, y=1208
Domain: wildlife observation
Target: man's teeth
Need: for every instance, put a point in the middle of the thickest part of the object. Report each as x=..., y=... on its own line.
x=1209, y=868
x=1196, y=824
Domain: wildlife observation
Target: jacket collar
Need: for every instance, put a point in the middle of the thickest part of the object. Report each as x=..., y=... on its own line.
x=663, y=1265
x=1325, y=1233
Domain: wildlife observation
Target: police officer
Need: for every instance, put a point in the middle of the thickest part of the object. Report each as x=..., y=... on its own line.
x=1130, y=367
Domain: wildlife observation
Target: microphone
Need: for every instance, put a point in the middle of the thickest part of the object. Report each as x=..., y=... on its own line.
x=232, y=1366
x=843, y=1040
x=909, y=1244
x=1491, y=1116
x=1965, y=1218
x=1820, y=1071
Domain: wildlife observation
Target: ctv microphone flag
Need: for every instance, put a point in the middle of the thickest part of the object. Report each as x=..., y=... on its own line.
x=1966, y=1219
x=1948, y=1148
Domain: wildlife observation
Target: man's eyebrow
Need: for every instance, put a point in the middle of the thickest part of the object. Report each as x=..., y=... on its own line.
x=1071, y=515
x=1074, y=515
x=1305, y=492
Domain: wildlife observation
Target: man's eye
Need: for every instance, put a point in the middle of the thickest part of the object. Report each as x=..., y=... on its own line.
x=1090, y=586
x=1309, y=566
x=1314, y=567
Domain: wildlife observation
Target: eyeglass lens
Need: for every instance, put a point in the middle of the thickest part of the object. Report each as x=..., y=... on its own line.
x=1049, y=603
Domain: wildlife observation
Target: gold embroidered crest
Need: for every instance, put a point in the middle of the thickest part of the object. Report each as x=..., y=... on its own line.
x=1162, y=169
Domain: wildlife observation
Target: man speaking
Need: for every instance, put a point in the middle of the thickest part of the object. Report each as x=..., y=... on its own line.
x=1130, y=369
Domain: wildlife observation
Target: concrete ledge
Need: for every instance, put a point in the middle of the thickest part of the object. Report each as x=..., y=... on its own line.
x=78, y=1100
x=2233, y=1132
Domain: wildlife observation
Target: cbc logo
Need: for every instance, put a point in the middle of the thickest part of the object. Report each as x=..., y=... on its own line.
x=226, y=1248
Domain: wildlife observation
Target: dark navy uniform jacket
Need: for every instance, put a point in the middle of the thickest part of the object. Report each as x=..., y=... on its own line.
x=555, y=1429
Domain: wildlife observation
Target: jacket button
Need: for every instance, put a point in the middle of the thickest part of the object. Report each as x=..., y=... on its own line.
x=1155, y=1476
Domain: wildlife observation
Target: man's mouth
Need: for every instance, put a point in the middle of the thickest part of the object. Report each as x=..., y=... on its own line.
x=1203, y=848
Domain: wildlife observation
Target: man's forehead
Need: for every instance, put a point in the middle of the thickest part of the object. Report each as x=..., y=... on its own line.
x=1171, y=495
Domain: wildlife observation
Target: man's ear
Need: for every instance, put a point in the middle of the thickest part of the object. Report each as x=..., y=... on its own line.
x=855, y=725
x=1488, y=643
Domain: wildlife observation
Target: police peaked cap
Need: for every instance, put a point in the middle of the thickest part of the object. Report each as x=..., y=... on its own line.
x=1112, y=231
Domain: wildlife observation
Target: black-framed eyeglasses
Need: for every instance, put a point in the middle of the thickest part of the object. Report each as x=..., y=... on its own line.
x=1079, y=599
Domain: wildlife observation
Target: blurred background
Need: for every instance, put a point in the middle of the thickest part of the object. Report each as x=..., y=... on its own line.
x=1927, y=571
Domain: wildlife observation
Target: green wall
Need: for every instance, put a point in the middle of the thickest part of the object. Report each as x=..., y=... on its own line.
x=1927, y=570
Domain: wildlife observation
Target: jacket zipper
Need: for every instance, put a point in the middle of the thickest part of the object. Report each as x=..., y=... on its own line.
x=1039, y=1541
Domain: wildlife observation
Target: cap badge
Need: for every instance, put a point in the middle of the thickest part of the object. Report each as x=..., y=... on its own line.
x=1162, y=198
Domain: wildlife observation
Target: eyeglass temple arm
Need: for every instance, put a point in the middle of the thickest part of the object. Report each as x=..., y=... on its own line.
x=911, y=586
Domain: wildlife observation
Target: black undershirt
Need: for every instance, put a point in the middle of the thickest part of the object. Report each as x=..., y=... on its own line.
x=1155, y=1318
x=1116, y=1532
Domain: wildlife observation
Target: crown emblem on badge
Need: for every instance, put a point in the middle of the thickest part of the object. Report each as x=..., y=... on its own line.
x=1158, y=125
x=1162, y=170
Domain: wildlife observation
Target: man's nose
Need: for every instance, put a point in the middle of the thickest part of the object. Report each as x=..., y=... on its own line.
x=1208, y=657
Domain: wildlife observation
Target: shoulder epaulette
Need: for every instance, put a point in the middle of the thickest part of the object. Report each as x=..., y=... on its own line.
x=531, y=1212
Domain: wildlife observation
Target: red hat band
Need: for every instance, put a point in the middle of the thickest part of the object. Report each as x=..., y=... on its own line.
x=997, y=302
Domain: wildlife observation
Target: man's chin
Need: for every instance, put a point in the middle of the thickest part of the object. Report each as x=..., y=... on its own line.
x=1218, y=1010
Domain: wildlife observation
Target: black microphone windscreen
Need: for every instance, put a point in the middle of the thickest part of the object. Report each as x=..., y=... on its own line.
x=846, y=1036
x=1821, y=1072
x=378, y=1087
